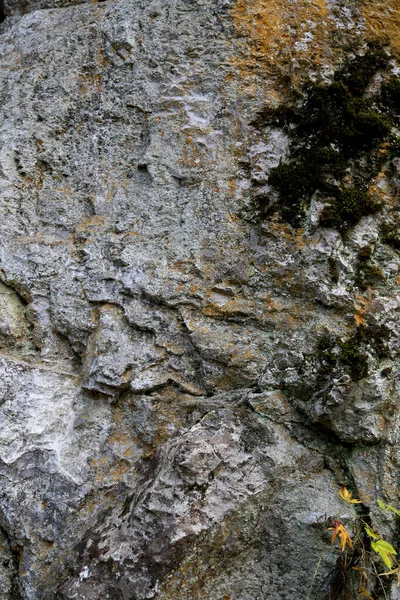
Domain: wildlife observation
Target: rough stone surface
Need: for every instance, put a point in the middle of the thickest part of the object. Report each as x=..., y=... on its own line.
x=178, y=410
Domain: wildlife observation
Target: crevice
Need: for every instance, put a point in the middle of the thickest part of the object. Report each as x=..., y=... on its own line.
x=14, y=567
x=74, y=355
x=37, y=365
x=23, y=295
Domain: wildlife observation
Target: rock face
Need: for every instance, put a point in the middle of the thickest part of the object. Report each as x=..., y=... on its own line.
x=189, y=370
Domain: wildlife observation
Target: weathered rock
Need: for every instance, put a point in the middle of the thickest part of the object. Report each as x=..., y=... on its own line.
x=186, y=377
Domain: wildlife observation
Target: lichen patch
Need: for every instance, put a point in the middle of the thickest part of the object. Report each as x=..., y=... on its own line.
x=280, y=35
x=382, y=20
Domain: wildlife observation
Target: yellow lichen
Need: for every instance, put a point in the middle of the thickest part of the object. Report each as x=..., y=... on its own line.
x=277, y=37
x=278, y=33
x=382, y=20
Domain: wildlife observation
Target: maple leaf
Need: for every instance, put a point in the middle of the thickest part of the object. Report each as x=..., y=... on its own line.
x=340, y=531
x=389, y=507
x=346, y=495
x=385, y=550
x=370, y=532
x=364, y=593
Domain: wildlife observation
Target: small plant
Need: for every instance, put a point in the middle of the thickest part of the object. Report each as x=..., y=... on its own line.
x=366, y=558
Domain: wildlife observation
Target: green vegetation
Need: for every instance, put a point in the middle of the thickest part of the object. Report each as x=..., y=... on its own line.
x=336, y=130
x=395, y=147
x=366, y=561
x=347, y=208
x=350, y=354
x=390, y=233
x=369, y=274
x=353, y=358
x=346, y=355
x=391, y=95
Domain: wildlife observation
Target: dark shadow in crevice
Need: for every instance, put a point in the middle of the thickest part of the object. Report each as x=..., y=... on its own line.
x=14, y=565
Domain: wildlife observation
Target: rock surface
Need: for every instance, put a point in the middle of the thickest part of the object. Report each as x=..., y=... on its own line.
x=186, y=380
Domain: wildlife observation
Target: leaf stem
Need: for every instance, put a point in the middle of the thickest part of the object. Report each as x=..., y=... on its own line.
x=315, y=575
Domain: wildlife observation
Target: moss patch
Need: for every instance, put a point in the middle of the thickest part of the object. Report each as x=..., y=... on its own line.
x=395, y=147
x=391, y=95
x=350, y=355
x=348, y=208
x=335, y=131
x=368, y=273
x=390, y=232
x=343, y=356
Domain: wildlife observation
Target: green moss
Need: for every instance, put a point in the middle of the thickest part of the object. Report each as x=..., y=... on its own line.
x=346, y=355
x=333, y=130
x=394, y=148
x=350, y=354
x=357, y=73
x=390, y=233
x=297, y=179
x=378, y=337
x=353, y=358
x=334, y=116
x=390, y=92
x=363, y=128
x=348, y=208
x=369, y=275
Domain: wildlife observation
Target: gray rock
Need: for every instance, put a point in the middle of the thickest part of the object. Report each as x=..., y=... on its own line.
x=185, y=379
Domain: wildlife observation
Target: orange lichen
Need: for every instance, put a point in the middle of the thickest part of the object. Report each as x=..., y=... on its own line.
x=382, y=20
x=277, y=37
x=89, y=224
x=122, y=444
x=278, y=32
x=359, y=320
x=362, y=305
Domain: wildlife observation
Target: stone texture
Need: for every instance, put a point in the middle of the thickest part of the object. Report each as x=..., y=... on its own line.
x=177, y=414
